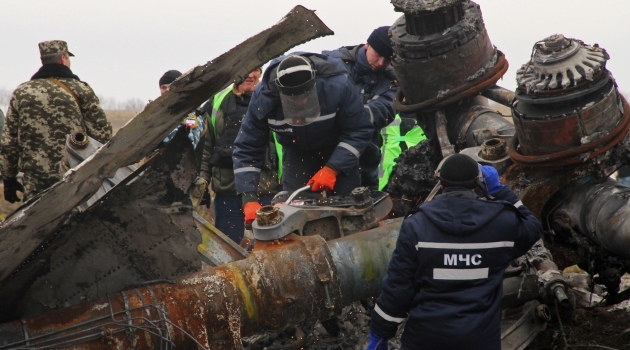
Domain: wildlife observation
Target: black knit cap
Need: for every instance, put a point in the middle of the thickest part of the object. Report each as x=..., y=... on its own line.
x=170, y=77
x=379, y=41
x=298, y=81
x=459, y=170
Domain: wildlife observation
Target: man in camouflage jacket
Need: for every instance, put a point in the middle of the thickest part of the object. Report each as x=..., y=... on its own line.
x=42, y=111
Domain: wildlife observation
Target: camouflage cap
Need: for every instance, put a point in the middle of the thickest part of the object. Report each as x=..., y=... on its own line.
x=53, y=46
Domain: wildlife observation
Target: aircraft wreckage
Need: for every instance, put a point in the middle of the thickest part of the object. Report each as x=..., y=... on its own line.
x=108, y=257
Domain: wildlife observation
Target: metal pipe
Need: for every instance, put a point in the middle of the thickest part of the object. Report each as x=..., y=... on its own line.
x=362, y=264
x=599, y=211
x=499, y=94
x=561, y=295
x=286, y=283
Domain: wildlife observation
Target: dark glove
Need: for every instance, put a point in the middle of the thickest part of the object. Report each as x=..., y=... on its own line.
x=491, y=178
x=376, y=342
x=206, y=199
x=11, y=186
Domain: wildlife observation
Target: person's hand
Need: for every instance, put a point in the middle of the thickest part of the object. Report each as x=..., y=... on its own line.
x=376, y=342
x=197, y=191
x=323, y=180
x=11, y=186
x=250, y=209
x=491, y=177
x=206, y=199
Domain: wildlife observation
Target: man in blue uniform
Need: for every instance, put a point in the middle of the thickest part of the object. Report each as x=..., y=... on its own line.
x=318, y=118
x=446, y=272
x=375, y=82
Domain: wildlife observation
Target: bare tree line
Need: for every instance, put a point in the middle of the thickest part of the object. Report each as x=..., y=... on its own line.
x=107, y=103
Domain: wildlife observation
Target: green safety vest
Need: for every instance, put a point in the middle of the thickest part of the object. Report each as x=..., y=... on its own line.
x=216, y=104
x=391, y=147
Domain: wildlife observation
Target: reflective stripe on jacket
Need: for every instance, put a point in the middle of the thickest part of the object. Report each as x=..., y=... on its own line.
x=391, y=149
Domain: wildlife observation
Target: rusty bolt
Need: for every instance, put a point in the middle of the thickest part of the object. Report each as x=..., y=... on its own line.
x=493, y=149
x=361, y=196
x=543, y=313
x=79, y=140
x=268, y=215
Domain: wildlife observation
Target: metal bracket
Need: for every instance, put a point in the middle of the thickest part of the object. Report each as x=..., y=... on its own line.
x=445, y=144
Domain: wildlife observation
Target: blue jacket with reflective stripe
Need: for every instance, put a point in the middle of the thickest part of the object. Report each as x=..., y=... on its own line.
x=447, y=270
x=344, y=124
x=377, y=89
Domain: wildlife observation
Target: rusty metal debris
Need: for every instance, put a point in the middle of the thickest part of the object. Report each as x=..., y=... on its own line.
x=140, y=231
x=36, y=222
x=331, y=217
x=275, y=286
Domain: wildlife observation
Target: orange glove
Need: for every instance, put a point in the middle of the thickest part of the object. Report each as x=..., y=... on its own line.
x=250, y=211
x=323, y=180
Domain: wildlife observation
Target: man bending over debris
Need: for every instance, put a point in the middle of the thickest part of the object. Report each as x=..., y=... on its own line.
x=446, y=272
x=42, y=111
x=375, y=82
x=311, y=105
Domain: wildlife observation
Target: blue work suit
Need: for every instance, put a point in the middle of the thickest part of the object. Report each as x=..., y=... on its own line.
x=377, y=90
x=337, y=138
x=447, y=270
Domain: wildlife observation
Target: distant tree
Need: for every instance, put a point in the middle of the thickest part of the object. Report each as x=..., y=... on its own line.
x=110, y=103
x=133, y=104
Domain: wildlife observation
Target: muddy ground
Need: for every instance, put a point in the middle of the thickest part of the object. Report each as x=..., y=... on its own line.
x=599, y=328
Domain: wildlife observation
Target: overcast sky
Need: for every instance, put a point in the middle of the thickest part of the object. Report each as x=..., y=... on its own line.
x=122, y=47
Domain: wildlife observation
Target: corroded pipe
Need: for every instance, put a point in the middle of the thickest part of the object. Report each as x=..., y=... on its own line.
x=500, y=95
x=599, y=211
x=286, y=283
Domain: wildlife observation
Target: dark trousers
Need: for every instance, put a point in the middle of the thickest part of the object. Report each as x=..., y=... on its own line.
x=299, y=166
x=229, y=217
x=369, y=161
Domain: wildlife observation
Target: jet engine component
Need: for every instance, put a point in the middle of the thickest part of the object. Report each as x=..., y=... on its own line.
x=79, y=147
x=279, y=285
x=142, y=230
x=559, y=63
x=566, y=101
x=492, y=152
x=37, y=220
x=331, y=217
x=442, y=54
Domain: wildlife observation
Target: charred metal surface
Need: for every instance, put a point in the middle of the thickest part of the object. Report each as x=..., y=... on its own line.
x=559, y=63
x=35, y=222
x=445, y=144
x=599, y=211
x=519, y=326
x=433, y=22
x=413, y=177
x=139, y=232
x=331, y=217
x=541, y=131
x=472, y=122
x=435, y=65
x=268, y=215
x=520, y=289
x=423, y=6
x=361, y=263
x=79, y=147
x=493, y=149
x=500, y=95
x=535, y=186
x=213, y=309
